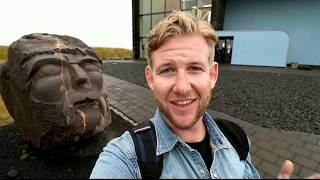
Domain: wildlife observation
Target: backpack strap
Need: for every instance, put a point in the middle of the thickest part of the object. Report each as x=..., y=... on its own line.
x=144, y=138
x=235, y=135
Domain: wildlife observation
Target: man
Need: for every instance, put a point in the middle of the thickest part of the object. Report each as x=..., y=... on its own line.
x=54, y=88
x=181, y=74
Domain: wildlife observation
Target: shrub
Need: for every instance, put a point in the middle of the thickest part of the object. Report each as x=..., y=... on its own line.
x=113, y=53
x=104, y=53
x=3, y=53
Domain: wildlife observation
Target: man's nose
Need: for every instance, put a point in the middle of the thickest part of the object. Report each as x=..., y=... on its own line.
x=182, y=84
x=79, y=77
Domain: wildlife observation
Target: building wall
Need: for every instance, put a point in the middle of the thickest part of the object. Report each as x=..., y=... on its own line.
x=258, y=48
x=299, y=18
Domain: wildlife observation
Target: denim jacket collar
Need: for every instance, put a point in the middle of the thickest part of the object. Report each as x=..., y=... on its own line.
x=217, y=138
x=167, y=139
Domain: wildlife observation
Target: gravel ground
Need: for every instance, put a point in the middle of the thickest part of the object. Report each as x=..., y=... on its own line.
x=74, y=161
x=272, y=100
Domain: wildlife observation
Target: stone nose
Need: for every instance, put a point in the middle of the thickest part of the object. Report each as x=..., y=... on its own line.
x=79, y=77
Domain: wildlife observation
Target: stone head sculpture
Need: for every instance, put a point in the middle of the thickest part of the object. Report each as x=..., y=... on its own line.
x=54, y=88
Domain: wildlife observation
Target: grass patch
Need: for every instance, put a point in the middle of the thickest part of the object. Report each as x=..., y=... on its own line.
x=5, y=117
x=104, y=53
x=3, y=53
x=113, y=53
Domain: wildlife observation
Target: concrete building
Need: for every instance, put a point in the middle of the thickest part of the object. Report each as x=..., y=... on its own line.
x=252, y=32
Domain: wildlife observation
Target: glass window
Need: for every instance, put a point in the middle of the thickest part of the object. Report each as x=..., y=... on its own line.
x=204, y=3
x=145, y=25
x=205, y=13
x=156, y=18
x=157, y=6
x=145, y=6
x=142, y=48
x=172, y=5
x=188, y=4
x=188, y=11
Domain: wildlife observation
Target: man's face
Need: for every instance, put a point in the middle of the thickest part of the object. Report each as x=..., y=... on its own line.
x=182, y=79
x=73, y=81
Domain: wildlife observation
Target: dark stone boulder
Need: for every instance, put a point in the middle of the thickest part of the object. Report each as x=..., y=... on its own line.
x=53, y=87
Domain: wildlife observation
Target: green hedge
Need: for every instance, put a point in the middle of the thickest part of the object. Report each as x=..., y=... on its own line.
x=113, y=53
x=3, y=53
x=104, y=53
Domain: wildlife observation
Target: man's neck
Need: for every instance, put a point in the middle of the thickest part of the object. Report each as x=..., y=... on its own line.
x=196, y=133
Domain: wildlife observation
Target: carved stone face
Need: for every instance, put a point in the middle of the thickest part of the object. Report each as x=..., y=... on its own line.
x=58, y=89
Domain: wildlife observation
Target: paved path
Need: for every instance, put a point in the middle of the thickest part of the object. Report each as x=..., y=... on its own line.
x=270, y=147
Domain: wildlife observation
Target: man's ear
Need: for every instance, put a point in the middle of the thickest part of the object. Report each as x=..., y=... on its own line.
x=214, y=72
x=149, y=77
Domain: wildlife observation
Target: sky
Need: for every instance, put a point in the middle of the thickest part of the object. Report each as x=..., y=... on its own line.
x=98, y=23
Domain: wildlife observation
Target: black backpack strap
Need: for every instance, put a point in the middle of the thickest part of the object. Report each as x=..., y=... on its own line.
x=236, y=136
x=144, y=138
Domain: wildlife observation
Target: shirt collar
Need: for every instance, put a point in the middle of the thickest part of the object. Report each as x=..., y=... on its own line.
x=167, y=139
x=217, y=138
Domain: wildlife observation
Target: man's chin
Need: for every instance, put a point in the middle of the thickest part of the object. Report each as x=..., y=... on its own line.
x=184, y=122
x=180, y=120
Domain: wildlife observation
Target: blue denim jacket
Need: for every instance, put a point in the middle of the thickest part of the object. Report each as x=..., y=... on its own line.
x=118, y=159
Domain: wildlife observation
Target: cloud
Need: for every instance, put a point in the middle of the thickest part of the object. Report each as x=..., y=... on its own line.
x=103, y=23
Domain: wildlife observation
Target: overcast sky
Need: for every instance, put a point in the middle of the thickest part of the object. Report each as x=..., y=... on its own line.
x=103, y=23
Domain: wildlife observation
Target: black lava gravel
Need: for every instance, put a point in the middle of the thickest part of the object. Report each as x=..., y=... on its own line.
x=272, y=100
x=74, y=161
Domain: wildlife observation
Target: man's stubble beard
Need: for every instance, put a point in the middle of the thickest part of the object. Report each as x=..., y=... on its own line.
x=168, y=115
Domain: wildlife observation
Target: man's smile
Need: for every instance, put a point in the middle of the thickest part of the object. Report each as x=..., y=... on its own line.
x=183, y=102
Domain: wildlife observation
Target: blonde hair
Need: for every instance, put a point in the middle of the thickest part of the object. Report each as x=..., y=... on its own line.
x=178, y=24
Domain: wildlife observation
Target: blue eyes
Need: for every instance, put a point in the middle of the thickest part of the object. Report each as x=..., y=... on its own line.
x=195, y=69
x=192, y=69
x=167, y=70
